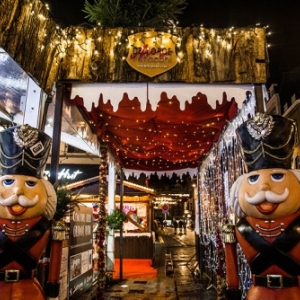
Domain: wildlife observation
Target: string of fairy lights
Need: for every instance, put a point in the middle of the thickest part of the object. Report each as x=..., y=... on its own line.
x=217, y=173
x=84, y=40
x=72, y=40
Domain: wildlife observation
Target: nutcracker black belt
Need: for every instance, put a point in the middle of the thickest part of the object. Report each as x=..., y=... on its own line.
x=274, y=281
x=16, y=275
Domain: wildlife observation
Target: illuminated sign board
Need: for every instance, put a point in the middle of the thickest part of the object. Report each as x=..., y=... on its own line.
x=152, y=53
x=65, y=174
x=72, y=173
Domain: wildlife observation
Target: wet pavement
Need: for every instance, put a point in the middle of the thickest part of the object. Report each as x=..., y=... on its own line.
x=184, y=283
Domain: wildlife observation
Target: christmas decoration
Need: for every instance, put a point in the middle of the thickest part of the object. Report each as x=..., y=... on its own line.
x=102, y=222
x=157, y=13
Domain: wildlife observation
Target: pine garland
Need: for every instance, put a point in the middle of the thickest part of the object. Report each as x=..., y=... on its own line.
x=101, y=231
x=115, y=219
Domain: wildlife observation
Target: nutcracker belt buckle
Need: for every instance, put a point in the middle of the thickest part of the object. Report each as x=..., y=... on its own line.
x=12, y=275
x=274, y=281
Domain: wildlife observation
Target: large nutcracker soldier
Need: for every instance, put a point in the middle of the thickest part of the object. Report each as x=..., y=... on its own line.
x=27, y=205
x=266, y=200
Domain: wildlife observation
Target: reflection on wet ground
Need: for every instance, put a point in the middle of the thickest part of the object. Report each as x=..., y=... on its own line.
x=184, y=283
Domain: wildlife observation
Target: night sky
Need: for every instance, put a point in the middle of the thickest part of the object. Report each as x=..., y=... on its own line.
x=283, y=18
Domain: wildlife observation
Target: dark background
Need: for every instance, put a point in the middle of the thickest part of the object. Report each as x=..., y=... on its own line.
x=282, y=17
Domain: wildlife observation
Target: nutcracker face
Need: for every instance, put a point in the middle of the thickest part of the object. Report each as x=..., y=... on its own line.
x=269, y=194
x=21, y=197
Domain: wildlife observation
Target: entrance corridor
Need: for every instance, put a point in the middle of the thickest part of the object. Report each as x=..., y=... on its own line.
x=177, y=275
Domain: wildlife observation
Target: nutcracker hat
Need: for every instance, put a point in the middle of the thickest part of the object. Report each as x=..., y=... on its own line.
x=24, y=151
x=267, y=141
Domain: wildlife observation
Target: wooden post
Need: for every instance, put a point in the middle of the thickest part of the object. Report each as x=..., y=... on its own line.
x=110, y=248
x=121, y=229
x=260, y=105
x=56, y=132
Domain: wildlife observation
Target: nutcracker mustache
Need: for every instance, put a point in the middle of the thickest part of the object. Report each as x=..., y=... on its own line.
x=22, y=200
x=270, y=196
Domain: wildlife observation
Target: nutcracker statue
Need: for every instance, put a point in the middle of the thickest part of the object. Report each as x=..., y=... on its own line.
x=266, y=202
x=27, y=205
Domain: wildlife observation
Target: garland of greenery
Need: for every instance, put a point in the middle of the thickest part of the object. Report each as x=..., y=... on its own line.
x=115, y=219
x=66, y=201
x=133, y=13
x=101, y=230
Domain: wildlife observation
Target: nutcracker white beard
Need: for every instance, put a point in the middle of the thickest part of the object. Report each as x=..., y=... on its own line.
x=269, y=196
x=21, y=200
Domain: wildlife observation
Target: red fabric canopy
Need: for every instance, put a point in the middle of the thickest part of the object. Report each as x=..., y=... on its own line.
x=161, y=140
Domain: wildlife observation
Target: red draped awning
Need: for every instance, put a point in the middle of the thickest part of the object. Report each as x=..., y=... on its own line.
x=164, y=139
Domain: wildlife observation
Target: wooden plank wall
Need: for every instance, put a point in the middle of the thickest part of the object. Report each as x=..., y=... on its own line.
x=48, y=53
x=135, y=247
